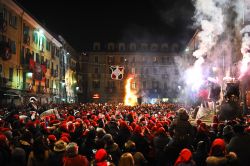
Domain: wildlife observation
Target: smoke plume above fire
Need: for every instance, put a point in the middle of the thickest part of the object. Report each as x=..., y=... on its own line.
x=219, y=23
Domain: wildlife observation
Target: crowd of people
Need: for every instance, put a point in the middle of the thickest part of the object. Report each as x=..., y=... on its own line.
x=106, y=134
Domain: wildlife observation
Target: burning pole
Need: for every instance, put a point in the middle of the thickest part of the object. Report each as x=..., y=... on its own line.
x=130, y=97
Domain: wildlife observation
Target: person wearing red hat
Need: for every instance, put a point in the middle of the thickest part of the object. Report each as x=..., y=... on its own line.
x=101, y=158
x=218, y=155
x=240, y=144
x=160, y=141
x=51, y=141
x=185, y=158
x=5, y=152
x=142, y=145
x=65, y=139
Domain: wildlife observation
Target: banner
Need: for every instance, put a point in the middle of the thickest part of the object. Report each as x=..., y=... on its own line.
x=117, y=72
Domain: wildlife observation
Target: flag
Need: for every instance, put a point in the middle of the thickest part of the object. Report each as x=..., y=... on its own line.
x=117, y=72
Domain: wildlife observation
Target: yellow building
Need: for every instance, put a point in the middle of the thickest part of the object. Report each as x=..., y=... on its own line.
x=29, y=63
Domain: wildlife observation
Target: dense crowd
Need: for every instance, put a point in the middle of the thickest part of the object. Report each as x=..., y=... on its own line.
x=105, y=134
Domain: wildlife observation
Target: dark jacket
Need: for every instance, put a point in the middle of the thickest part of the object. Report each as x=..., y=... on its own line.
x=56, y=159
x=159, y=143
x=240, y=144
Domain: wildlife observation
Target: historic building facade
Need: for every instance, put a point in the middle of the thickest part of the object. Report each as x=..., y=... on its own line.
x=151, y=65
x=31, y=57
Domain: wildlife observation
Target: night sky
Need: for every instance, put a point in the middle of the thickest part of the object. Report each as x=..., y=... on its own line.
x=81, y=22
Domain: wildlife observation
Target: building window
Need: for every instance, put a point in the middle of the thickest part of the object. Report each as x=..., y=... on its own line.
x=133, y=85
x=144, y=46
x=96, y=59
x=133, y=70
x=122, y=60
x=121, y=47
x=154, y=70
x=11, y=74
x=154, y=47
x=164, y=47
x=96, y=84
x=133, y=59
x=111, y=60
x=111, y=46
x=12, y=46
x=111, y=84
x=155, y=84
x=96, y=70
x=48, y=44
x=155, y=59
x=144, y=59
x=3, y=14
x=12, y=20
x=144, y=85
x=97, y=46
x=132, y=47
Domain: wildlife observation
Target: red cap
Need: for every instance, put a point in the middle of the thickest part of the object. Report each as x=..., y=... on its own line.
x=65, y=139
x=101, y=155
x=52, y=137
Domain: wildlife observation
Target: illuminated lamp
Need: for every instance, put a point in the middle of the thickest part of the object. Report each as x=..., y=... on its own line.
x=96, y=96
x=29, y=74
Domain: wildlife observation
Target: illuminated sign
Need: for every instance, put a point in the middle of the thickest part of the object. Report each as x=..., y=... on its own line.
x=96, y=96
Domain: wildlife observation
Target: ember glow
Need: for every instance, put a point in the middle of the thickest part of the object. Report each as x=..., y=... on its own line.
x=130, y=97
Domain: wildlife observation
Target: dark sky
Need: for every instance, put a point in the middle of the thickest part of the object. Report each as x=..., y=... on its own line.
x=81, y=22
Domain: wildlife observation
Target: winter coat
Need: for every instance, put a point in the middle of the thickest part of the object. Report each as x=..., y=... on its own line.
x=240, y=144
x=77, y=160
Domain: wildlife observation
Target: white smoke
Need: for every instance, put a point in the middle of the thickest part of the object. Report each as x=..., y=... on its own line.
x=210, y=17
x=245, y=50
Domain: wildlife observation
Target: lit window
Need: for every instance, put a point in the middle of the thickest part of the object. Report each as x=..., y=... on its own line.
x=133, y=85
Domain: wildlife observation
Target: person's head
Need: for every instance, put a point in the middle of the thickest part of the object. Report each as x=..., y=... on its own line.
x=3, y=141
x=130, y=146
x=184, y=156
x=101, y=155
x=126, y=159
x=39, y=147
x=71, y=149
x=60, y=146
x=218, y=148
x=202, y=147
x=182, y=114
x=238, y=129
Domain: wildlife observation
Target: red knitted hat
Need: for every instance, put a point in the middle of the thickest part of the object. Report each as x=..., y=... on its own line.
x=65, y=139
x=52, y=137
x=101, y=155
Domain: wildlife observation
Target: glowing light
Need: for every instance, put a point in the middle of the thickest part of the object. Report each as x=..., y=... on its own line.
x=194, y=77
x=40, y=31
x=29, y=75
x=130, y=97
x=96, y=96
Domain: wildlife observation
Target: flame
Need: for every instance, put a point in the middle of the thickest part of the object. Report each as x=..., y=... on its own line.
x=130, y=98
